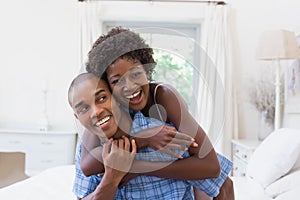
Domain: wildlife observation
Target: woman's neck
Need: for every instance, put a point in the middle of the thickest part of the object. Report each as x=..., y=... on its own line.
x=150, y=101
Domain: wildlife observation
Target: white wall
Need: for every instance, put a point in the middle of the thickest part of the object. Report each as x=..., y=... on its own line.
x=151, y=11
x=39, y=41
x=251, y=19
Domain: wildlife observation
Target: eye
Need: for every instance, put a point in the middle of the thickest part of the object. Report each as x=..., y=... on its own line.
x=82, y=110
x=114, y=82
x=100, y=99
x=136, y=74
x=118, y=81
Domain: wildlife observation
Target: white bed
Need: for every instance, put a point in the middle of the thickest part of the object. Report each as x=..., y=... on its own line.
x=274, y=169
x=51, y=184
x=283, y=189
x=273, y=173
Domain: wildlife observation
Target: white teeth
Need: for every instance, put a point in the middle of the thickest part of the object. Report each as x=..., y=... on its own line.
x=102, y=121
x=133, y=95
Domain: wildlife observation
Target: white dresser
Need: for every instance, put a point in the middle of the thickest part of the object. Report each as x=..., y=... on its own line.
x=42, y=149
x=242, y=150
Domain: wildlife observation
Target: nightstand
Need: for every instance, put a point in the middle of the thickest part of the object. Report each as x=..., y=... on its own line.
x=242, y=150
x=42, y=149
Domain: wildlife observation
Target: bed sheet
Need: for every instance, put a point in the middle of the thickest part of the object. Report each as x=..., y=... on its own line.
x=54, y=183
x=246, y=189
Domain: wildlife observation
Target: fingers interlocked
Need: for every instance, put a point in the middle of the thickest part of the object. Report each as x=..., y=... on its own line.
x=117, y=155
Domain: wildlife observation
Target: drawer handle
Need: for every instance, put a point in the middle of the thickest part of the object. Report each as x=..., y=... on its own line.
x=14, y=142
x=245, y=156
x=236, y=168
x=46, y=161
x=236, y=151
x=47, y=143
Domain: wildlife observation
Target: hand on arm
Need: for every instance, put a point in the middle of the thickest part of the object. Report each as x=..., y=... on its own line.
x=203, y=162
x=117, y=161
x=164, y=138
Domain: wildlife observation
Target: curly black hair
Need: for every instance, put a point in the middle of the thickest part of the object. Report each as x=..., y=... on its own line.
x=119, y=43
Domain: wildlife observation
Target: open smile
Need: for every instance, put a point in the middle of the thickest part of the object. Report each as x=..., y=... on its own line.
x=136, y=97
x=103, y=122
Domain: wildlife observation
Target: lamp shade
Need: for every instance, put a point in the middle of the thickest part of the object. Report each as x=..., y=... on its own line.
x=277, y=44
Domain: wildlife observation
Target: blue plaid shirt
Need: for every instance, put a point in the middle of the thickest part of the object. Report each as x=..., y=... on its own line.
x=150, y=187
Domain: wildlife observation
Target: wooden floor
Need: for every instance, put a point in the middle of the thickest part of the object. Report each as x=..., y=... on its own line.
x=12, y=167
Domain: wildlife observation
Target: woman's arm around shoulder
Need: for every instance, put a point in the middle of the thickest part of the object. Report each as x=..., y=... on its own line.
x=203, y=162
x=91, y=156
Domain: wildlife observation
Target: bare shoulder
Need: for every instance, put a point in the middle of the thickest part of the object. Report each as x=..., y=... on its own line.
x=161, y=91
x=167, y=96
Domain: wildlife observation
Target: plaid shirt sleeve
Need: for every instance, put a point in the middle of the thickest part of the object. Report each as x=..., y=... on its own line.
x=140, y=122
x=210, y=186
x=83, y=185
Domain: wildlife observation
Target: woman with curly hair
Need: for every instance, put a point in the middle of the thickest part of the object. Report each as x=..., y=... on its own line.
x=126, y=62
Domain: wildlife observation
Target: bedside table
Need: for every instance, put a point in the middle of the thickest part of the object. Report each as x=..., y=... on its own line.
x=43, y=149
x=242, y=150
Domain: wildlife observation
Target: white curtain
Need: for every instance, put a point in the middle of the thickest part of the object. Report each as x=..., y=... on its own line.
x=217, y=109
x=90, y=28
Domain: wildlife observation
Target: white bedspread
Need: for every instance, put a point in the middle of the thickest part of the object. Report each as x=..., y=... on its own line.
x=247, y=189
x=273, y=171
x=55, y=184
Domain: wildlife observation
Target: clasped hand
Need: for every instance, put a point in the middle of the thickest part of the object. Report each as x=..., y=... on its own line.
x=117, y=157
x=165, y=138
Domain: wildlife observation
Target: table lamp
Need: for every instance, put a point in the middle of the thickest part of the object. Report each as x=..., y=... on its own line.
x=276, y=45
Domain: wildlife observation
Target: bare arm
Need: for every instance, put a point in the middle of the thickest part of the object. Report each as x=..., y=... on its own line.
x=161, y=138
x=203, y=162
x=164, y=139
x=91, y=156
x=117, y=160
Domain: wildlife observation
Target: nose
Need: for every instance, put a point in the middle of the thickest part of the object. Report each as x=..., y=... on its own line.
x=95, y=111
x=128, y=85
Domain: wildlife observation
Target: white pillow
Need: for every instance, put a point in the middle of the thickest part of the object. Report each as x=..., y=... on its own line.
x=275, y=156
x=290, y=195
x=297, y=164
x=289, y=182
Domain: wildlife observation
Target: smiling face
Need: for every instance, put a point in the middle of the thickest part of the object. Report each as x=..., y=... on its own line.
x=92, y=103
x=128, y=81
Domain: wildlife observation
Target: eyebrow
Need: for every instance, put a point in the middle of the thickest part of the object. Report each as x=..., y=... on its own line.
x=99, y=91
x=96, y=93
x=132, y=69
x=113, y=76
x=78, y=104
x=136, y=68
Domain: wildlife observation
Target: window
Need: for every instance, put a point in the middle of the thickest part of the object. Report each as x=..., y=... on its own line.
x=175, y=51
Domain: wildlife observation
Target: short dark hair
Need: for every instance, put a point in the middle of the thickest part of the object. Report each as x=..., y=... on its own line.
x=119, y=43
x=78, y=79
